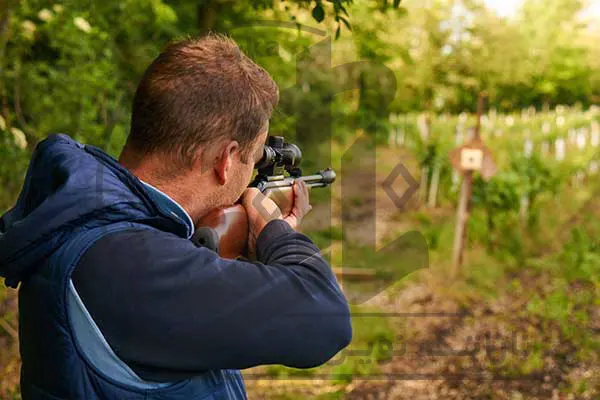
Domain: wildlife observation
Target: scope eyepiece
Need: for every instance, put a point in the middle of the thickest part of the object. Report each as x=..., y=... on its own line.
x=278, y=154
x=268, y=158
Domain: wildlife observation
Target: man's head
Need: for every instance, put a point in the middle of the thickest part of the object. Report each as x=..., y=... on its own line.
x=200, y=116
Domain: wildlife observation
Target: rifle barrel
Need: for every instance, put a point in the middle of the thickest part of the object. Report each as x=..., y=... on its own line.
x=322, y=179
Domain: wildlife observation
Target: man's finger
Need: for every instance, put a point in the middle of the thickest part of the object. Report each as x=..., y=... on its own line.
x=303, y=205
x=299, y=187
x=305, y=189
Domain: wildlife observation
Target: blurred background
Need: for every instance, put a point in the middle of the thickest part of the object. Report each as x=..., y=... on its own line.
x=520, y=318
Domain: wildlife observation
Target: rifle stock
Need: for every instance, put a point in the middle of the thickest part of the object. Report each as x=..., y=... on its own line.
x=231, y=223
x=231, y=227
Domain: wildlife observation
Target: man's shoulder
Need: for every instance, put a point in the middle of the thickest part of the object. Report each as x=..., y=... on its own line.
x=131, y=253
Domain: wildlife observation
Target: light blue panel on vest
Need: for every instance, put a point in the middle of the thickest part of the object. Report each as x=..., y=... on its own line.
x=97, y=350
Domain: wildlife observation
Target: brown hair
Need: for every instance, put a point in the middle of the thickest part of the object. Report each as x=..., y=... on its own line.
x=198, y=91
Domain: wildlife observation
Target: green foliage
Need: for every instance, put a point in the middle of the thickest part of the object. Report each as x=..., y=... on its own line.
x=73, y=67
x=445, y=53
x=12, y=168
x=499, y=195
x=536, y=179
x=324, y=238
x=581, y=258
x=279, y=371
x=368, y=332
x=571, y=299
x=361, y=358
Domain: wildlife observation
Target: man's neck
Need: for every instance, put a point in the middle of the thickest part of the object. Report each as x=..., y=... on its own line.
x=195, y=202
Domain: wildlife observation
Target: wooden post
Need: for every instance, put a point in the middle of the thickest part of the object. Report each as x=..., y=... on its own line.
x=464, y=203
x=462, y=217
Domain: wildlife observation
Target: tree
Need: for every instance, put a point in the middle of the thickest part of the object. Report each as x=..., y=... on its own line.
x=557, y=62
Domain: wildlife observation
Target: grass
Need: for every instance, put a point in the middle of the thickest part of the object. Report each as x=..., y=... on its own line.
x=361, y=358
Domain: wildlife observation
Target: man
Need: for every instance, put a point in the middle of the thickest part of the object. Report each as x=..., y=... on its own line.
x=115, y=301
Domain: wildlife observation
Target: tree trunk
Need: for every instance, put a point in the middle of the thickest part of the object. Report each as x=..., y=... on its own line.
x=207, y=16
x=5, y=14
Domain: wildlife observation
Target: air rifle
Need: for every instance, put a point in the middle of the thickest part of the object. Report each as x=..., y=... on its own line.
x=225, y=230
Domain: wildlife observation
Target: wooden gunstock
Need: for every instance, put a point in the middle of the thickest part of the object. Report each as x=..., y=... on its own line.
x=231, y=223
x=283, y=197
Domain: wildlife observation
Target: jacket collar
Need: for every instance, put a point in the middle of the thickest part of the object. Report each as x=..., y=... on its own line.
x=166, y=203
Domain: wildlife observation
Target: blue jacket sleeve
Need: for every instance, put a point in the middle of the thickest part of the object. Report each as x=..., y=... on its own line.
x=164, y=304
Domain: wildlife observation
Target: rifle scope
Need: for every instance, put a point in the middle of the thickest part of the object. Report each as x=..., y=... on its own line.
x=278, y=156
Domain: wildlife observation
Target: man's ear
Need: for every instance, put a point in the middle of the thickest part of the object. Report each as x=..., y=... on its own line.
x=224, y=161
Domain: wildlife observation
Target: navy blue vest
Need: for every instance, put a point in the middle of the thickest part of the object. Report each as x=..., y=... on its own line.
x=66, y=357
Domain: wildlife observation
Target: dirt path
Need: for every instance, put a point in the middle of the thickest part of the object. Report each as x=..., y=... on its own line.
x=476, y=356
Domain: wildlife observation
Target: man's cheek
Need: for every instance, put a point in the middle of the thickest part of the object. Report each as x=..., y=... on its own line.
x=242, y=181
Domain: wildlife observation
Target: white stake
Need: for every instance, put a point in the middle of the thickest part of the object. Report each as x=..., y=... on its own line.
x=581, y=140
x=524, y=211
x=545, y=149
x=435, y=182
x=572, y=136
x=528, y=150
x=392, y=137
x=595, y=136
x=424, y=182
x=459, y=136
x=546, y=128
x=560, y=149
x=424, y=124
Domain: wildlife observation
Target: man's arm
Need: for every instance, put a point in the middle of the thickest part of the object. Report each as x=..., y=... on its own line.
x=164, y=304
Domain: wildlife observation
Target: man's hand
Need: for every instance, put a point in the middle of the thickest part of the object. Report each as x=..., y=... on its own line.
x=301, y=205
x=261, y=210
